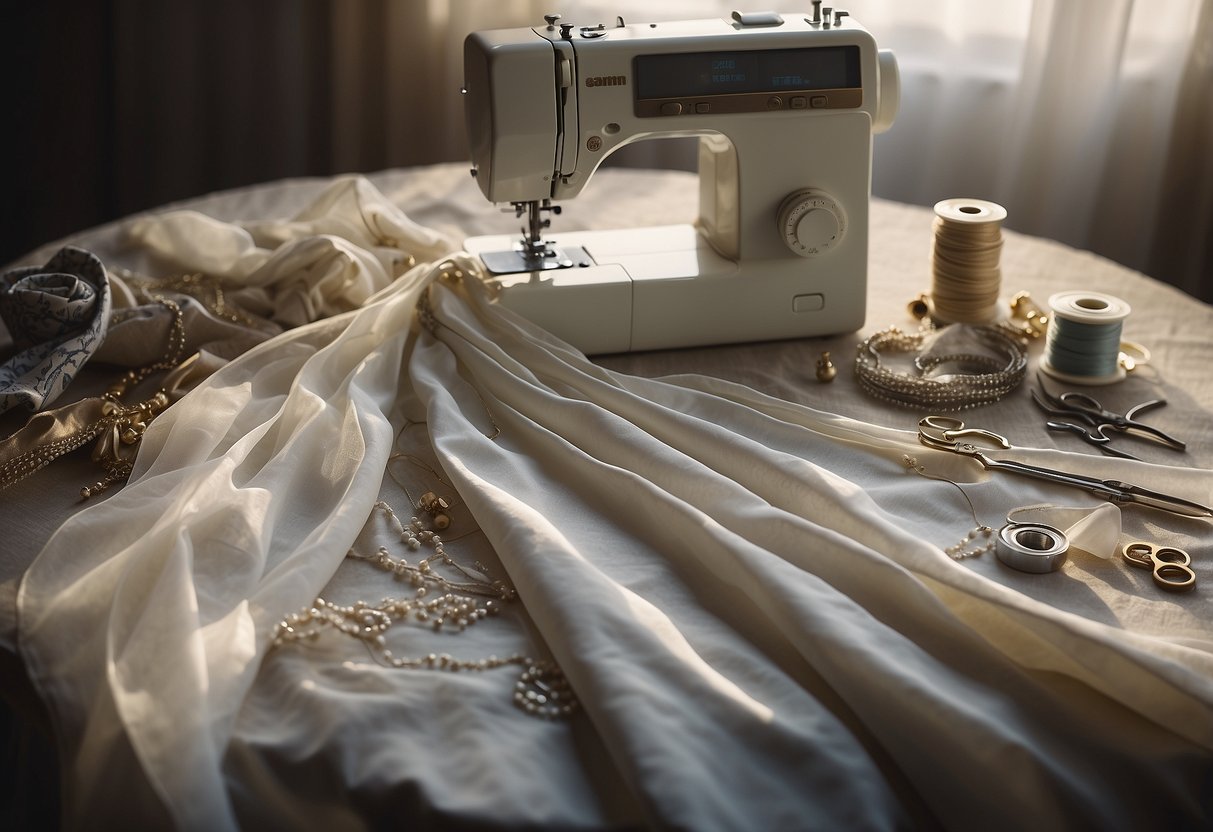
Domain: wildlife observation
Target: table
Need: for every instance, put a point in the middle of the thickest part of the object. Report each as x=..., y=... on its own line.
x=756, y=613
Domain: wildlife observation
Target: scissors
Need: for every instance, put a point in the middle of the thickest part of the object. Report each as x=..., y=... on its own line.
x=1078, y=409
x=1171, y=567
x=948, y=434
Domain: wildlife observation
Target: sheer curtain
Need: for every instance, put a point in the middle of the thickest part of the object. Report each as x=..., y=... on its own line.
x=1090, y=120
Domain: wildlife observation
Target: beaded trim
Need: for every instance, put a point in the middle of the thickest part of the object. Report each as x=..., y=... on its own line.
x=541, y=690
x=984, y=379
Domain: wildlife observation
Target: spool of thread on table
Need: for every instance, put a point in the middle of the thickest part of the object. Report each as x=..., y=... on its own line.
x=966, y=276
x=1083, y=342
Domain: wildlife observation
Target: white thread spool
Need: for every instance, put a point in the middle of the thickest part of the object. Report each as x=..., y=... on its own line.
x=1083, y=342
x=965, y=273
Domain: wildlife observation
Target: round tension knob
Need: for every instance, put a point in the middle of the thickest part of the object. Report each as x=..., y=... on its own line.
x=811, y=222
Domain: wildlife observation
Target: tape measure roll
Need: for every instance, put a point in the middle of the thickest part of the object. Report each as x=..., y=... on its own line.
x=1031, y=547
x=965, y=273
x=1082, y=345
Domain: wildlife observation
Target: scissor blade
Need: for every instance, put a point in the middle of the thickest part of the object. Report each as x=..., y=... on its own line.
x=1156, y=499
x=1011, y=466
x=1153, y=434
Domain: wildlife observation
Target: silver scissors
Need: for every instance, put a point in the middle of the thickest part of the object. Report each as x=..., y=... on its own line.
x=1170, y=567
x=949, y=434
x=1079, y=410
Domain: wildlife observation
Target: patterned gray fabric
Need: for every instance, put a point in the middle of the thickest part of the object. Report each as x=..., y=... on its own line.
x=56, y=315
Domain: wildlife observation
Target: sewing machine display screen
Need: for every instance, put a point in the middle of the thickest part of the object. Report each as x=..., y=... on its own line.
x=708, y=74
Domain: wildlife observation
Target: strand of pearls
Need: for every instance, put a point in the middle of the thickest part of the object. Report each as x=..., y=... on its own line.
x=971, y=546
x=960, y=551
x=541, y=689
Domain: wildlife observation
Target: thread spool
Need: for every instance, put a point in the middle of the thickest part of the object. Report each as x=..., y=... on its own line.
x=965, y=273
x=1083, y=342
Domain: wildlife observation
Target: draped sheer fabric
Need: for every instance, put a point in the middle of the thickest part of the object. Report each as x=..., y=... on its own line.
x=741, y=590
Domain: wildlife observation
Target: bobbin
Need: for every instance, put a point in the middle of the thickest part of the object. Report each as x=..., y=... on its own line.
x=1031, y=547
x=1082, y=316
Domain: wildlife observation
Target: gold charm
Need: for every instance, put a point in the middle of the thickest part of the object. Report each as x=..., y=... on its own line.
x=826, y=371
x=920, y=307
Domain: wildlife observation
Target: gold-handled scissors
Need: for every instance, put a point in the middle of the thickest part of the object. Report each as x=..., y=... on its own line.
x=950, y=434
x=1171, y=567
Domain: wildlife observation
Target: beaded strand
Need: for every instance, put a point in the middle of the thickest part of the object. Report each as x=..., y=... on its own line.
x=541, y=689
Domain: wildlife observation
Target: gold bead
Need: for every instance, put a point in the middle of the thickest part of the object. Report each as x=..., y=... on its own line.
x=920, y=307
x=825, y=368
x=441, y=521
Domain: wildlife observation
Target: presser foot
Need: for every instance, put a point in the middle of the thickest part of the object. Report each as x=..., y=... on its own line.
x=532, y=258
x=533, y=253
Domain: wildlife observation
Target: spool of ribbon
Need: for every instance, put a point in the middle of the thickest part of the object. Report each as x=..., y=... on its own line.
x=965, y=272
x=1083, y=342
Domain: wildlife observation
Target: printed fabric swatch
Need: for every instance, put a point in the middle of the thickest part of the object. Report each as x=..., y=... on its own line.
x=56, y=315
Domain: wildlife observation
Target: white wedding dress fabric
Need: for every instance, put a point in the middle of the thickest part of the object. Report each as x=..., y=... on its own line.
x=748, y=596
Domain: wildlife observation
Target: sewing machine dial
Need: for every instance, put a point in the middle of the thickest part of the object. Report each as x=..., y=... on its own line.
x=811, y=222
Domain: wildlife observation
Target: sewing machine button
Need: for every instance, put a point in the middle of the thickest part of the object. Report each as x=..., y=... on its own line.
x=671, y=108
x=703, y=107
x=798, y=102
x=774, y=103
x=818, y=101
x=808, y=303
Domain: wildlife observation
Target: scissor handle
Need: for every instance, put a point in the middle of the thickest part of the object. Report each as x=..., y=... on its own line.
x=1082, y=403
x=1169, y=566
x=945, y=431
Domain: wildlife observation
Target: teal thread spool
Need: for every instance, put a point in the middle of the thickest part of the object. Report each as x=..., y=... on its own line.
x=1083, y=342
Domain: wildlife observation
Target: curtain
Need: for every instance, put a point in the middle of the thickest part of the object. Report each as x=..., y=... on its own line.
x=1089, y=120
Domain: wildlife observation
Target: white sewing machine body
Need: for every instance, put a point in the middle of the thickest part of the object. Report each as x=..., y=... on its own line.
x=785, y=112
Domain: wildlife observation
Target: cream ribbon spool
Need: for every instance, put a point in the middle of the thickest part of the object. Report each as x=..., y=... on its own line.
x=965, y=274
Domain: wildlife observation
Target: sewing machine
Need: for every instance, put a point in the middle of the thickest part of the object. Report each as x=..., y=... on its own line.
x=785, y=106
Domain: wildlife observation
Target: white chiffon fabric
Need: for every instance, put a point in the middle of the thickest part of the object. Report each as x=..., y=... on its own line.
x=747, y=595
x=330, y=258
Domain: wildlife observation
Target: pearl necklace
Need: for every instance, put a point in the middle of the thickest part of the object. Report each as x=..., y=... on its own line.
x=541, y=689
